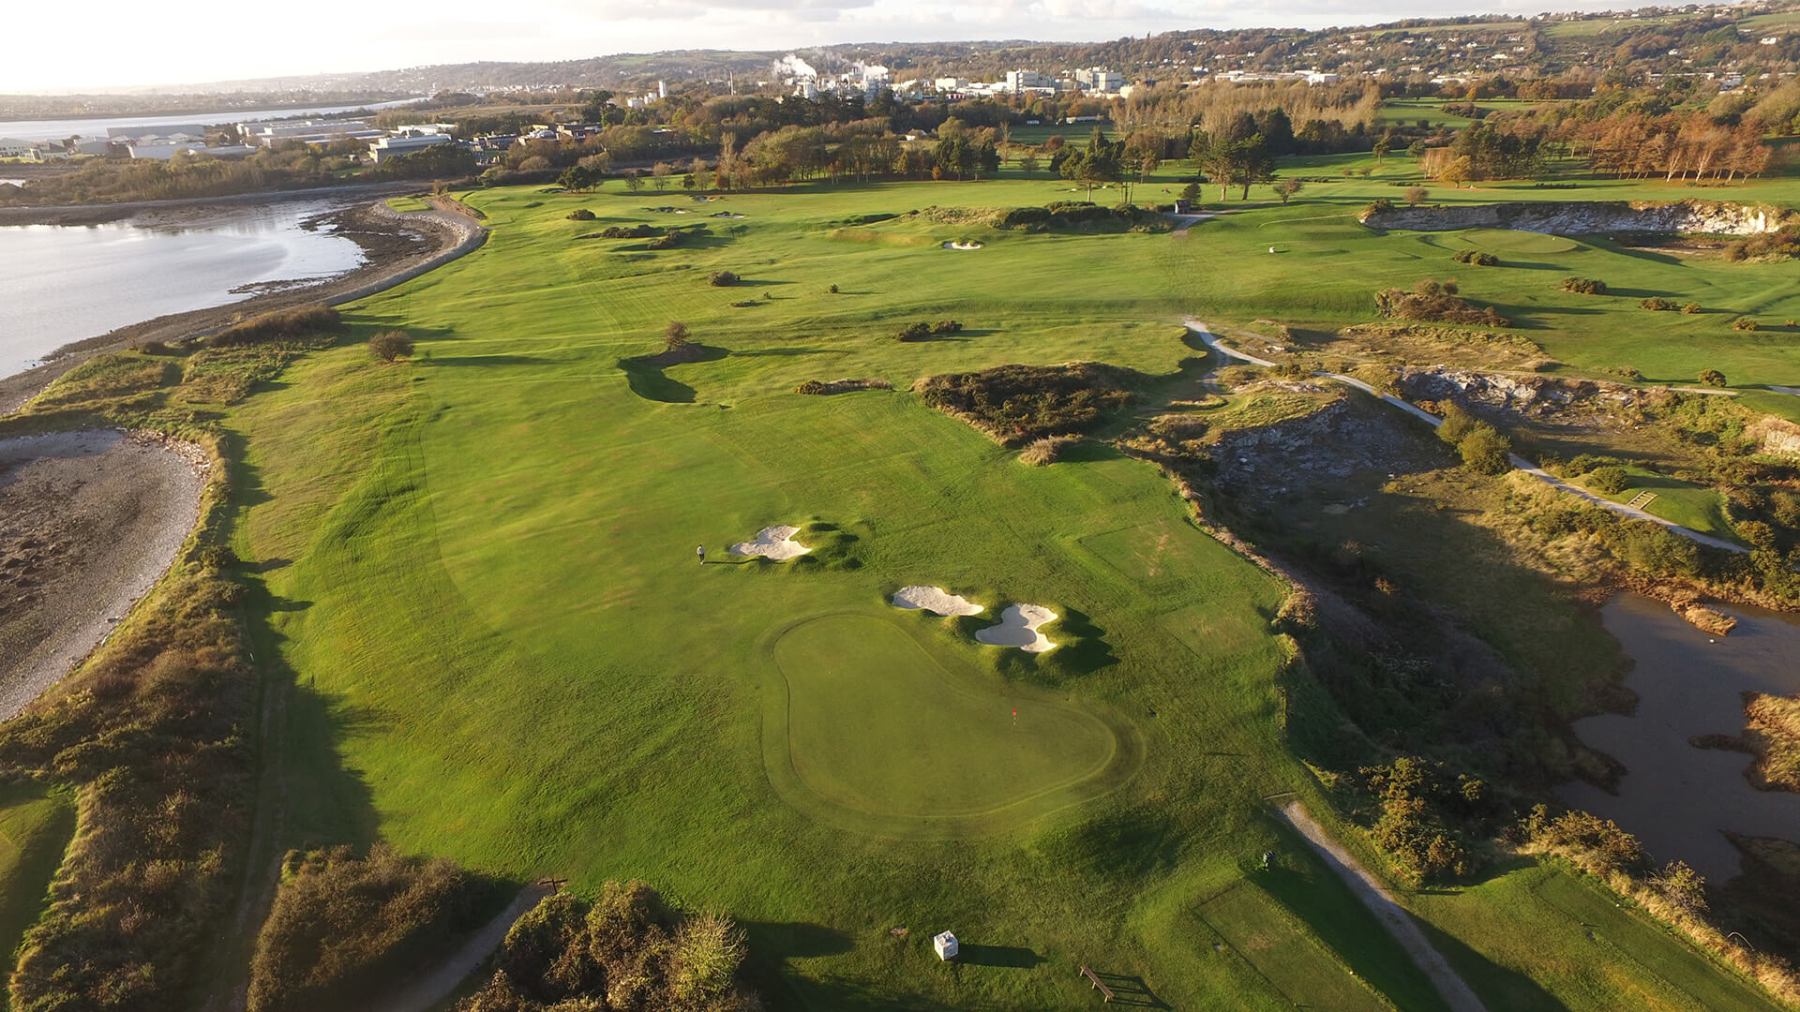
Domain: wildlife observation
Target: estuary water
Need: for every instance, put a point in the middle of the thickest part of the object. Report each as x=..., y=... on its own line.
x=1677, y=799
x=47, y=129
x=65, y=283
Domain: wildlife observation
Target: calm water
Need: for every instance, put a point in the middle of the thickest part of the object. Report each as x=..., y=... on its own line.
x=46, y=129
x=1678, y=799
x=60, y=284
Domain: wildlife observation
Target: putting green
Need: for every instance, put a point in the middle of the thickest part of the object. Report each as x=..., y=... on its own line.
x=874, y=730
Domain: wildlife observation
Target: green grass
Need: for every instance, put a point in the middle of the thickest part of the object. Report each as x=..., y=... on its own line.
x=479, y=568
x=408, y=203
x=1690, y=505
x=35, y=828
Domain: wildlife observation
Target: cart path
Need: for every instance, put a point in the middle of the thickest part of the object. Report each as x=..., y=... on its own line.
x=430, y=990
x=1454, y=990
x=1212, y=341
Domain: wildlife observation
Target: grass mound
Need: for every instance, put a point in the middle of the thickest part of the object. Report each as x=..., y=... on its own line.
x=300, y=323
x=1016, y=404
x=1435, y=302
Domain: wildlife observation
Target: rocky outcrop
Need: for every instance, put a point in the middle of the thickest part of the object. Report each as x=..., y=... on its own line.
x=1535, y=396
x=1686, y=217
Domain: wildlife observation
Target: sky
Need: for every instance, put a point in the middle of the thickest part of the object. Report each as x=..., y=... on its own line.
x=110, y=44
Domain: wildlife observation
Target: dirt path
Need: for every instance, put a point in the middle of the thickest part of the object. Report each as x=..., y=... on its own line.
x=89, y=521
x=1456, y=993
x=428, y=991
x=1212, y=341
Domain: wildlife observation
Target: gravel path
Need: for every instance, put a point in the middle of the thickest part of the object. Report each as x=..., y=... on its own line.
x=1455, y=991
x=89, y=521
x=1212, y=341
x=429, y=991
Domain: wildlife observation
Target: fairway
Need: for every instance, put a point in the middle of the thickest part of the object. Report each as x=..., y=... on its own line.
x=878, y=725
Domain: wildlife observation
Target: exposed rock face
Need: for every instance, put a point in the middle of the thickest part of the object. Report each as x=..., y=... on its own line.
x=1702, y=217
x=1536, y=396
x=1776, y=436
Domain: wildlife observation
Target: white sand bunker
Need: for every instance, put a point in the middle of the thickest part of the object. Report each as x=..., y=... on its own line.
x=1019, y=628
x=775, y=543
x=936, y=600
x=971, y=244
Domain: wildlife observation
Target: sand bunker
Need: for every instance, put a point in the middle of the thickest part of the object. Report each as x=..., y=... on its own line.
x=936, y=600
x=962, y=245
x=1019, y=628
x=776, y=543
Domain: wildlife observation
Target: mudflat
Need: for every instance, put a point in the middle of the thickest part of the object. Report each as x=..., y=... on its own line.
x=89, y=521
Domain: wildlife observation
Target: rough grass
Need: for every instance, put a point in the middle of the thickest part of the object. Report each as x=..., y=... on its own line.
x=35, y=827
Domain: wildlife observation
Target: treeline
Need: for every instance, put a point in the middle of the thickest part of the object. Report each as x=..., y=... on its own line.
x=292, y=167
x=1693, y=146
x=1214, y=105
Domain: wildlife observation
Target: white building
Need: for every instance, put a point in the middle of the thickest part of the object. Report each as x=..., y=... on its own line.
x=1019, y=81
x=12, y=147
x=404, y=144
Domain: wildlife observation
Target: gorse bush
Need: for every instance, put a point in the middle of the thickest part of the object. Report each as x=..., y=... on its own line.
x=343, y=926
x=1436, y=302
x=1479, y=258
x=625, y=951
x=926, y=331
x=1019, y=403
x=301, y=323
x=581, y=214
x=390, y=345
x=1712, y=378
x=1048, y=450
x=723, y=279
x=1584, y=286
x=1745, y=323
x=1609, y=480
x=1658, y=304
x=1482, y=447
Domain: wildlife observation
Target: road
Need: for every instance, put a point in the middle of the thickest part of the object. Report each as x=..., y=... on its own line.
x=430, y=990
x=1212, y=341
x=1455, y=991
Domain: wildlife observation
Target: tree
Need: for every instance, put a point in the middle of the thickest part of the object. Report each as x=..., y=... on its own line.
x=1190, y=194
x=633, y=181
x=1416, y=195
x=1286, y=188
x=1682, y=887
x=675, y=336
x=1713, y=378
x=1485, y=450
x=1028, y=164
x=390, y=345
x=659, y=174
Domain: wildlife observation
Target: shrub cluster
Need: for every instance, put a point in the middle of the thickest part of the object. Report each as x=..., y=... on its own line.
x=296, y=324
x=1712, y=377
x=1584, y=286
x=923, y=331
x=628, y=232
x=1419, y=806
x=581, y=214
x=840, y=386
x=1745, y=323
x=344, y=926
x=1784, y=242
x=1048, y=450
x=1482, y=447
x=1691, y=308
x=1658, y=304
x=1479, y=258
x=723, y=279
x=625, y=951
x=1080, y=216
x=1377, y=206
x=1019, y=403
x=390, y=345
x=1435, y=301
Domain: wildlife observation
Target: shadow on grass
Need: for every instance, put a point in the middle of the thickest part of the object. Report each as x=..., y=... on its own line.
x=1129, y=990
x=1016, y=957
x=469, y=360
x=646, y=376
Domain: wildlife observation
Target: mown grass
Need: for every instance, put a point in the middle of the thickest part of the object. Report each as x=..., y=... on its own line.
x=35, y=827
x=407, y=204
x=1693, y=506
x=480, y=567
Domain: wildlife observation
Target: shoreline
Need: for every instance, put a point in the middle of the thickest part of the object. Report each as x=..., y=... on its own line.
x=397, y=248
x=100, y=214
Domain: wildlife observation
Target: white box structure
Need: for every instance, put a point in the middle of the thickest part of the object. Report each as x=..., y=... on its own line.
x=945, y=944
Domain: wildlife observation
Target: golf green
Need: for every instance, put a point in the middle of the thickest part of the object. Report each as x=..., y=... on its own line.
x=879, y=726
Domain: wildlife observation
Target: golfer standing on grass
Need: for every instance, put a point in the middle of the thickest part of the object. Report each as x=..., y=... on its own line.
x=700, y=553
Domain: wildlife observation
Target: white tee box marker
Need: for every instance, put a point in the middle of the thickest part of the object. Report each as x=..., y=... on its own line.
x=944, y=944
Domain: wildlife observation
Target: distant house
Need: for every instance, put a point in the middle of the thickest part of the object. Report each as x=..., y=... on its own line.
x=12, y=147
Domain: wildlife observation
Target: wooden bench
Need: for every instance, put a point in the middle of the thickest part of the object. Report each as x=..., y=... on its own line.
x=1105, y=992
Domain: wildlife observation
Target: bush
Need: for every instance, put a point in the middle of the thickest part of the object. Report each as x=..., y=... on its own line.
x=1745, y=323
x=581, y=214
x=1047, y=450
x=629, y=232
x=675, y=335
x=1478, y=258
x=723, y=279
x=298, y=323
x=627, y=950
x=1434, y=301
x=668, y=240
x=1691, y=308
x=1019, y=403
x=1485, y=450
x=1377, y=206
x=343, y=927
x=839, y=386
x=922, y=331
x=1609, y=480
x=833, y=289
x=1584, y=286
x=1658, y=304
x=1712, y=378
x=1416, y=195
x=390, y=345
